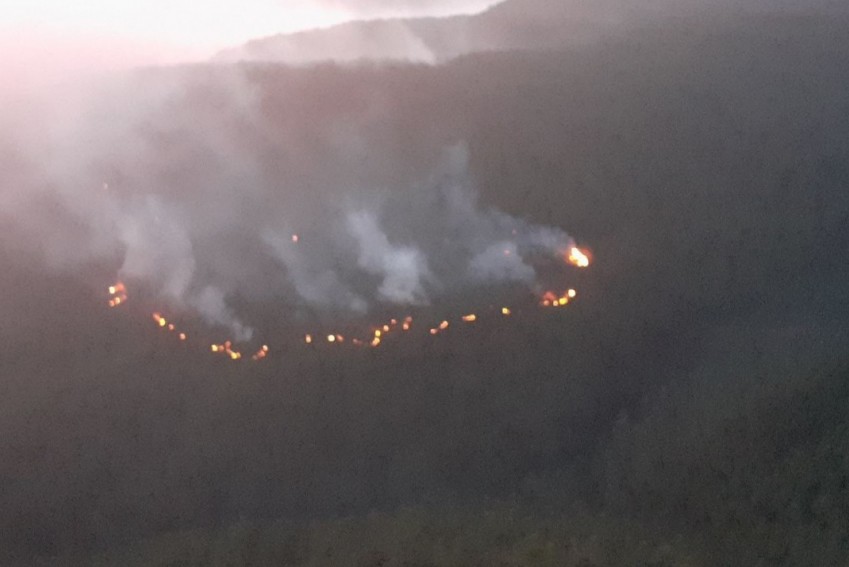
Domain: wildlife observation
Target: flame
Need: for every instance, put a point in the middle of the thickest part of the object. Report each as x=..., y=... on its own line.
x=261, y=353
x=227, y=348
x=118, y=293
x=551, y=299
x=578, y=257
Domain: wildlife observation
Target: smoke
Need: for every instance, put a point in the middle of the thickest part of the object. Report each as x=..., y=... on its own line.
x=180, y=181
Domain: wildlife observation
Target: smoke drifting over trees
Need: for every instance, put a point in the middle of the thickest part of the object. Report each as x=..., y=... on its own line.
x=687, y=409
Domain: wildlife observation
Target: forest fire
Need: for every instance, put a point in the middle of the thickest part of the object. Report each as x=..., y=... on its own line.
x=549, y=299
x=261, y=353
x=578, y=257
x=118, y=294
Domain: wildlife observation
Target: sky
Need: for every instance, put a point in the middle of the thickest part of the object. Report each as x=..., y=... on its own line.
x=179, y=28
x=43, y=42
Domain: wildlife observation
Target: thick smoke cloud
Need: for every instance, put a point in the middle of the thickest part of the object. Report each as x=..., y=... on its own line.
x=170, y=180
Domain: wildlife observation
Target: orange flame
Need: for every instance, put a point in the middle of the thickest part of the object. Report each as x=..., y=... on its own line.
x=551, y=299
x=578, y=257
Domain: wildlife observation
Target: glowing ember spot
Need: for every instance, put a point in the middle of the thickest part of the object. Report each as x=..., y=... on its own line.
x=470, y=318
x=434, y=331
x=234, y=355
x=578, y=257
x=551, y=299
x=386, y=328
x=216, y=348
x=376, y=342
x=572, y=294
x=506, y=311
x=296, y=238
x=357, y=342
x=393, y=322
x=171, y=327
x=183, y=336
x=405, y=326
x=444, y=325
x=340, y=339
x=261, y=353
x=331, y=338
x=308, y=339
x=378, y=333
x=117, y=288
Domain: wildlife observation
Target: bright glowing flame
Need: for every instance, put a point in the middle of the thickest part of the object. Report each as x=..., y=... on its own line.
x=117, y=288
x=118, y=294
x=308, y=339
x=331, y=338
x=551, y=299
x=578, y=257
x=470, y=318
x=506, y=311
x=444, y=325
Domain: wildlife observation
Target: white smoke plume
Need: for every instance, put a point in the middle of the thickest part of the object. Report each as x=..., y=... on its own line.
x=184, y=182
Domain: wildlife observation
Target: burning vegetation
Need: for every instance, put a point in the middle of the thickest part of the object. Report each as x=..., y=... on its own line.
x=379, y=333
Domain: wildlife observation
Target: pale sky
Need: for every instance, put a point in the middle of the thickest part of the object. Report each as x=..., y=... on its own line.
x=43, y=40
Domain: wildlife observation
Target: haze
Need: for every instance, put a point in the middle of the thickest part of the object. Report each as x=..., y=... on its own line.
x=555, y=283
